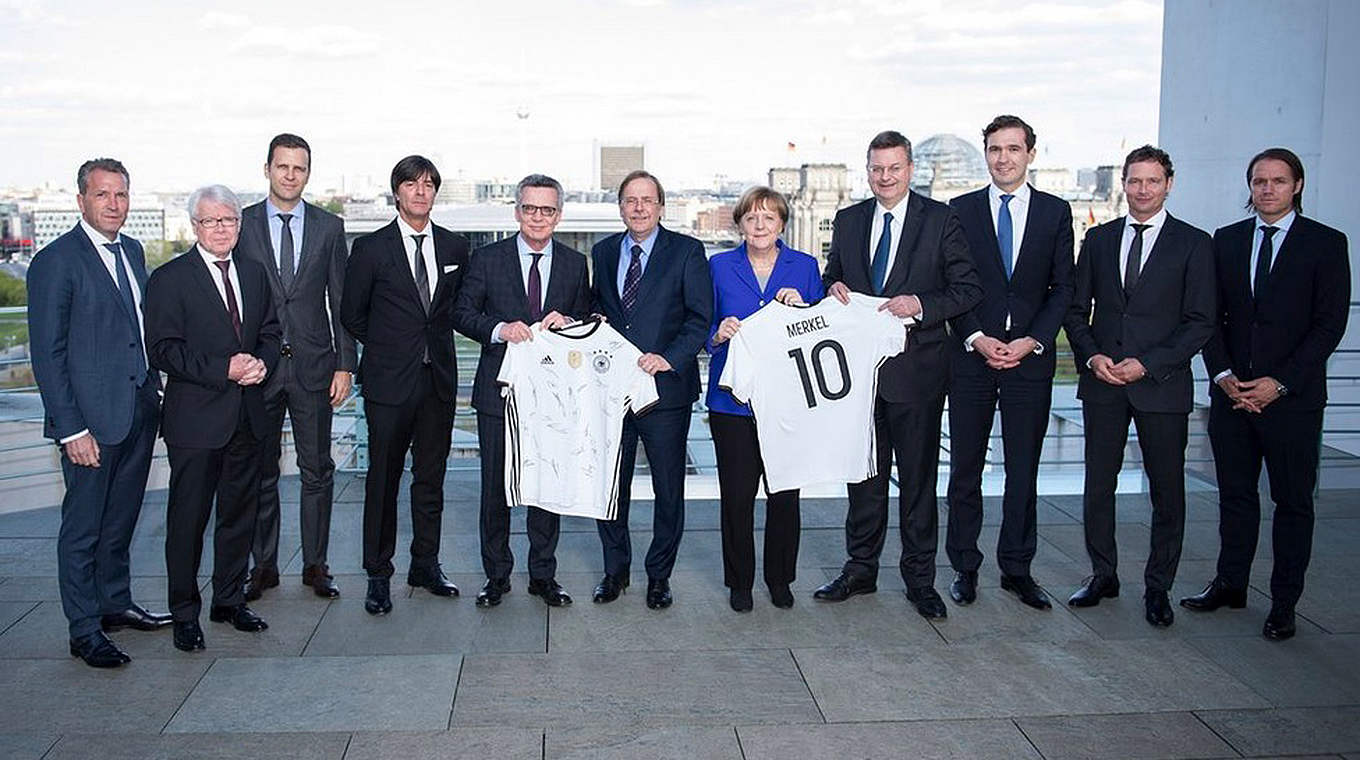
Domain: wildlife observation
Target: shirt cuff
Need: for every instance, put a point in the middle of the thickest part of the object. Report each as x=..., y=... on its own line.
x=1088, y=362
x=968, y=342
x=1038, y=347
x=496, y=333
x=1222, y=375
x=70, y=438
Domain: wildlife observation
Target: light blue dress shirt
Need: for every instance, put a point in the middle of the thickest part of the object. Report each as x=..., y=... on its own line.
x=276, y=229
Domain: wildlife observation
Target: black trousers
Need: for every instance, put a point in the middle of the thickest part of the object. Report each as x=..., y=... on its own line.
x=1025, y=404
x=911, y=434
x=310, y=413
x=1162, y=439
x=739, y=474
x=1288, y=443
x=230, y=477
x=98, y=516
x=663, y=432
x=542, y=526
x=422, y=424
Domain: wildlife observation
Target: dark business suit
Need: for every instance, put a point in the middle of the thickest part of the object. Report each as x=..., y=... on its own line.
x=1288, y=335
x=1034, y=298
x=1163, y=322
x=92, y=375
x=492, y=293
x=212, y=426
x=670, y=318
x=933, y=263
x=315, y=347
x=408, y=401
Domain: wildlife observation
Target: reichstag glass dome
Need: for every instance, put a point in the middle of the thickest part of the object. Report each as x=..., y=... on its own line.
x=949, y=159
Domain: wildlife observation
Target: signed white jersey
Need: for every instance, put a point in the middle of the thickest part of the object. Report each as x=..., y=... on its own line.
x=810, y=375
x=567, y=392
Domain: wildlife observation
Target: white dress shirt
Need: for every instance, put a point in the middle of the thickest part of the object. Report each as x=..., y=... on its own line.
x=1150, y=234
x=426, y=249
x=526, y=262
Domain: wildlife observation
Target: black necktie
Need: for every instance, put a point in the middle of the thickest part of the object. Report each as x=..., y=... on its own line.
x=422, y=277
x=231, y=297
x=1263, y=257
x=125, y=289
x=632, y=278
x=1135, y=262
x=535, y=289
x=286, y=267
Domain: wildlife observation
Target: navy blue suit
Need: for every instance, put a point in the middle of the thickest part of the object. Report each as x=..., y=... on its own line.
x=88, y=360
x=670, y=318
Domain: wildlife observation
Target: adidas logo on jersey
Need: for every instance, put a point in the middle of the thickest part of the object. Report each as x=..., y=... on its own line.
x=547, y=361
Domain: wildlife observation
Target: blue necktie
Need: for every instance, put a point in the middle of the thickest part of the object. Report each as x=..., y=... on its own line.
x=125, y=288
x=1005, y=235
x=880, y=262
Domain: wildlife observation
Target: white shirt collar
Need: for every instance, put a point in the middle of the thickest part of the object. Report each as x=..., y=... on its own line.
x=97, y=237
x=208, y=257
x=407, y=230
x=522, y=246
x=898, y=211
x=1158, y=219
x=1282, y=223
x=1021, y=193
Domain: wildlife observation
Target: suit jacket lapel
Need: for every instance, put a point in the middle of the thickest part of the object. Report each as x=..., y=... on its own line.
x=557, y=279
x=1027, y=240
x=611, y=269
x=902, y=262
x=1151, y=263
x=656, y=262
x=309, y=253
x=398, y=246
x=208, y=285
x=258, y=218
x=982, y=207
x=95, y=263
x=747, y=274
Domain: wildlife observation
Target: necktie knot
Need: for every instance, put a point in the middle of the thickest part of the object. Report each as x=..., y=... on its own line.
x=1006, y=199
x=115, y=248
x=224, y=265
x=420, y=242
x=1138, y=228
x=636, y=250
x=285, y=218
x=887, y=218
x=1269, y=230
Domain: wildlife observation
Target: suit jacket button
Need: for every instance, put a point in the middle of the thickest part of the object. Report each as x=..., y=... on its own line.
x=1119, y=343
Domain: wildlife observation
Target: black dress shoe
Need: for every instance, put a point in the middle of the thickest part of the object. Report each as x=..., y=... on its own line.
x=1094, y=589
x=549, y=591
x=1024, y=587
x=844, y=587
x=492, y=591
x=188, y=636
x=928, y=602
x=98, y=651
x=379, y=598
x=261, y=578
x=609, y=588
x=241, y=617
x=781, y=596
x=964, y=588
x=322, y=582
x=658, y=594
x=1279, y=625
x=1216, y=594
x=136, y=618
x=740, y=600
x=432, y=580
x=1157, y=608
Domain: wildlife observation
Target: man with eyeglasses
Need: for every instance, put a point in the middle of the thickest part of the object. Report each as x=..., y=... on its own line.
x=212, y=328
x=511, y=285
x=654, y=287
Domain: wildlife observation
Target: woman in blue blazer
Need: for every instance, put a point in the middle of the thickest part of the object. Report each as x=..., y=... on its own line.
x=760, y=270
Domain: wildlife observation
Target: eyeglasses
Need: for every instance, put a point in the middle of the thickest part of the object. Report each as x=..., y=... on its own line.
x=547, y=212
x=643, y=202
x=221, y=221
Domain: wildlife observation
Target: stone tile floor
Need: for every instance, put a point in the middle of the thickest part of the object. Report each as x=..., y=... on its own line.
x=439, y=678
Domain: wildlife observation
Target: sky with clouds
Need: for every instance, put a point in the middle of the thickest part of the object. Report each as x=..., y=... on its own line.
x=185, y=95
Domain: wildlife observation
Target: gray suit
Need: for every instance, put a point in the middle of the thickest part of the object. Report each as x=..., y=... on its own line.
x=315, y=346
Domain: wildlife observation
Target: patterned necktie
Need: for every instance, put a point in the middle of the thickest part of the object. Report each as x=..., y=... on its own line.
x=1135, y=263
x=1005, y=235
x=125, y=290
x=880, y=263
x=286, y=266
x=535, y=289
x=231, y=297
x=632, y=278
x=422, y=277
x=1263, y=262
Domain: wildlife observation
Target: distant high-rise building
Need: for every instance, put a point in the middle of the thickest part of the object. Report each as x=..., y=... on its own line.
x=815, y=192
x=616, y=161
x=144, y=223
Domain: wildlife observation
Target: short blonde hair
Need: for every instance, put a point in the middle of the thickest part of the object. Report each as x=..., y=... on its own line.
x=761, y=197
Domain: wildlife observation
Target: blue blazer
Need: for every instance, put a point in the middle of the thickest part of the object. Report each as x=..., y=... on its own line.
x=87, y=355
x=673, y=311
x=736, y=293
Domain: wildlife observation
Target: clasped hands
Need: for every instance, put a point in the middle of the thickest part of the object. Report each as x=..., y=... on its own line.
x=245, y=369
x=1250, y=395
x=1002, y=355
x=1117, y=373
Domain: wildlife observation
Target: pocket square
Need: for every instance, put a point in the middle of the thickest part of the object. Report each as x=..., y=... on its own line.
x=449, y=268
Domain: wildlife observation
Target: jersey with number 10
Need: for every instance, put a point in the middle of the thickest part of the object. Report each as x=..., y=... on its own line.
x=810, y=375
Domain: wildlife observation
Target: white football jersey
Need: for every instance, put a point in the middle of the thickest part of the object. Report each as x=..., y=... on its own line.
x=810, y=375
x=567, y=392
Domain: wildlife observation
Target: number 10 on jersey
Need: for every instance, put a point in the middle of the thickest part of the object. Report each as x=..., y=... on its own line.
x=815, y=358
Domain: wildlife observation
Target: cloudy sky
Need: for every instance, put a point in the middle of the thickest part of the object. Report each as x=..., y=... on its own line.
x=186, y=96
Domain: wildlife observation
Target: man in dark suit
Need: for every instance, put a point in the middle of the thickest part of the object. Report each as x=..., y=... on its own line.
x=101, y=406
x=1021, y=241
x=1142, y=306
x=400, y=285
x=654, y=287
x=512, y=284
x=912, y=251
x=1284, y=293
x=211, y=327
x=302, y=247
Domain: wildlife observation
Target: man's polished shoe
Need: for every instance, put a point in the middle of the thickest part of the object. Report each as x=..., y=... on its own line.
x=928, y=602
x=1216, y=594
x=188, y=636
x=432, y=580
x=609, y=588
x=98, y=651
x=964, y=588
x=379, y=598
x=843, y=587
x=740, y=600
x=549, y=591
x=492, y=591
x=658, y=594
x=1157, y=609
x=1024, y=587
x=1279, y=625
x=261, y=578
x=136, y=618
x=322, y=582
x=1094, y=589
x=241, y=617
x=781, y=596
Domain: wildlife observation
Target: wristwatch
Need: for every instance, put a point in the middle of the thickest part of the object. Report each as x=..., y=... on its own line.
x=1280, y=389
